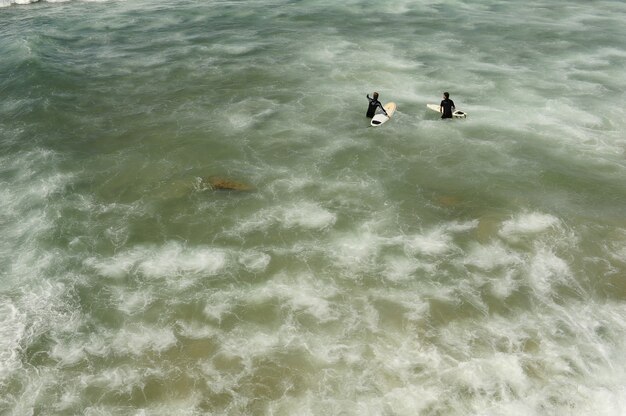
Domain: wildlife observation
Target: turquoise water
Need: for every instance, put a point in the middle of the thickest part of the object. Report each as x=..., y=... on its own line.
x=425, y=267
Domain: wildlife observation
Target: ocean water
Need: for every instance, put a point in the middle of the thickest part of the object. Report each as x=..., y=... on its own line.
x=424, y=267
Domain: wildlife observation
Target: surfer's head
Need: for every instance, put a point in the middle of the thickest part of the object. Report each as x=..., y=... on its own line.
x=375, y=95
x=447, y=95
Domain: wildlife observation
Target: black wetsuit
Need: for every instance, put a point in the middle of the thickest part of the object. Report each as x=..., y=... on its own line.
x=447, y=106
x=374, y=104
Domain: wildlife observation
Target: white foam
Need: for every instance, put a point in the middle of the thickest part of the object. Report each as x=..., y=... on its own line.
x=132, y=303
x=413, y=305
x=69, y=399
x=244, y=114
x=25, y=214
x=31, y=393
x=502, y=286
x=138, y=340
x=400, y=268
x=98, y=344
x=239, y=48
x=219, y=381
x=307, y=215
x=123, y=379
x=332, y=352
x=117, y=235
x=500, y=375
x=67, y=354
x=616, y=249
x=188, y=405
x=117, y=267
x=330, y=52
x=435, y=243
x=12, y=328
x=601, y=400
x=254, y=261
x=246, y=346
x=196, y=330
x=545, y=270
x=170, y=260
x=45, y=306
x=304, y=215
x=411, y=400
x=492, y=256
x=439, y=240
x=174, y=259
x=620, y=254
x=219, y=304
x=304, y=294
x=356, y=250
x=291, y=183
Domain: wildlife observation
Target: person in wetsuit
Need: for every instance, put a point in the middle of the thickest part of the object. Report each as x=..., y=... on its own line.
x=373, y=105
x=447, y=106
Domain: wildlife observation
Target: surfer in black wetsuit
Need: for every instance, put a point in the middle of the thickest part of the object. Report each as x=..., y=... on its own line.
x=374, y=104
x=446, y=106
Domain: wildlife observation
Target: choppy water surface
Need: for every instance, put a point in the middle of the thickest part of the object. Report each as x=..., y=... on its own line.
x=425, y=267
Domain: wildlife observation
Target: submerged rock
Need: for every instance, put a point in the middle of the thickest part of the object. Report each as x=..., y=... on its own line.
x=218, y=182
x=181, y=188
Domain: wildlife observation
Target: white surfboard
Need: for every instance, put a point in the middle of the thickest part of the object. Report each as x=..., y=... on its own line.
x=379, y=119
x=455, y=114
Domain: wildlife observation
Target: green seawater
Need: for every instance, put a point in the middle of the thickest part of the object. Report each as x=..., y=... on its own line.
x=423, y=267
